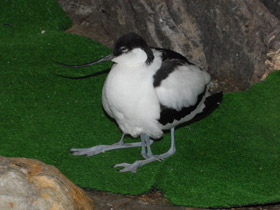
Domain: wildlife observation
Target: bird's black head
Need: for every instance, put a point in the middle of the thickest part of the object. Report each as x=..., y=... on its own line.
x=129, y=42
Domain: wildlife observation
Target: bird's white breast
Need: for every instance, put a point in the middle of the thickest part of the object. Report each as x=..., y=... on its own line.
x=129, y=97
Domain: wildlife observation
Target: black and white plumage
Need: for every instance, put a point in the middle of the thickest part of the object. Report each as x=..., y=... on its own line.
x=149, y=90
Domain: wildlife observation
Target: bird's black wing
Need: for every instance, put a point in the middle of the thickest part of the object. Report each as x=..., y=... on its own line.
x=170, y=60
x=180, y=85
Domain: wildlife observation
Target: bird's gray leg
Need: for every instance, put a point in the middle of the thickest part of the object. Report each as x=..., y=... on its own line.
x=146, y=142
x=143, y=144
x=121, y=141
x=103, y=148
x=172, y=149
x=148, y=145
x=138, y=163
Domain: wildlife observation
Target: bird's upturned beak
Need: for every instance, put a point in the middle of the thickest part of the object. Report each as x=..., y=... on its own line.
x=106, y=58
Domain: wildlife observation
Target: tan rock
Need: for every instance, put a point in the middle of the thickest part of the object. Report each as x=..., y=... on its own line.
x=28, y=184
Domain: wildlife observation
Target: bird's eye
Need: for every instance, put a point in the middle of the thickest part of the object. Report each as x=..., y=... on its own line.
x=123, y=49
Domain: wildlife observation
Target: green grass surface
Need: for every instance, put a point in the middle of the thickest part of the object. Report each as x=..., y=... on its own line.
x=231, y=158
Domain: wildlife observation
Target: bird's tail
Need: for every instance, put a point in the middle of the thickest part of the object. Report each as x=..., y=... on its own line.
x=211, y=103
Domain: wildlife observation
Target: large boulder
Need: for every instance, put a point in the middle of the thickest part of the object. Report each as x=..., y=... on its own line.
x=28, y=184
x=228, y=38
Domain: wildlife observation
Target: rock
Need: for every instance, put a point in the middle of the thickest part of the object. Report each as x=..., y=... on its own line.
x=272, y=61
x=28, y=184
x=228, y=38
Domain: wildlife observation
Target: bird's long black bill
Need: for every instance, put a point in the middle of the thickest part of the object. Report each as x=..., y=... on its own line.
x=107, y=58
x=86, y=76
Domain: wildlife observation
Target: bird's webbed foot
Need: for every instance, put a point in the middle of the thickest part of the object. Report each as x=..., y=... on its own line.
x=90, y=151
x=134, y=166
x=129, y=167
x=103, y=148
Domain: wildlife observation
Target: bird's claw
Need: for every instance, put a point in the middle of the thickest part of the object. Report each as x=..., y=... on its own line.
x=129, y=167
x=137, y=164
x=158, y=158
x=88, y=151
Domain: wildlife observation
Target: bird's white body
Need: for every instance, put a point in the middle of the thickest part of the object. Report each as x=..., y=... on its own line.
x=131, y=99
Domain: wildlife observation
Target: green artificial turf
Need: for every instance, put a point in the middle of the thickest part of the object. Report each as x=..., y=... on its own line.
x=229, y=159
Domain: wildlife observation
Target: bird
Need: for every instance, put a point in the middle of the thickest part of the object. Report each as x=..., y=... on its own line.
x=149, y=90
